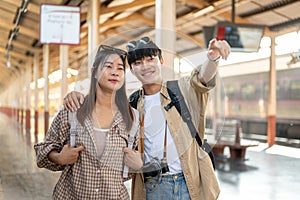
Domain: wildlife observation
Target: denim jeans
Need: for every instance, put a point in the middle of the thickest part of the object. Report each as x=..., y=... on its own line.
x=170, y=187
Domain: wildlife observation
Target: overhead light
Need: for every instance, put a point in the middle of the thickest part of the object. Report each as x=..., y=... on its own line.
x=8, y=60
x=203, y=11
x=295, y=58
x=8, y=63
x=119, y=3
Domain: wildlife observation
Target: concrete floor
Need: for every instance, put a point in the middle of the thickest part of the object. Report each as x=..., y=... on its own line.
x=268, y=174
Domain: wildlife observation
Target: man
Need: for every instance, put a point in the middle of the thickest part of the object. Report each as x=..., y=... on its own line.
x=166, y=137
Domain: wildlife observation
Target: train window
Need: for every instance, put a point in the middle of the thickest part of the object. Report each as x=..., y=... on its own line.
x=295, y=90
x=266, y=91
x=282, y=88
x=248, y=92
x=230, y=92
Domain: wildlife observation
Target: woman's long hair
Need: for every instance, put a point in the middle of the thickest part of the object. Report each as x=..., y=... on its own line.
x=120, y=98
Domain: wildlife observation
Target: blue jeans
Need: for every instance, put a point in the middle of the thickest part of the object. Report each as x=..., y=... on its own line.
x=170, y=187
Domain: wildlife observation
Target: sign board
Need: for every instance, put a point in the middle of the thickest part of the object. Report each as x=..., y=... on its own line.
x=59, y=24
x=241, y=37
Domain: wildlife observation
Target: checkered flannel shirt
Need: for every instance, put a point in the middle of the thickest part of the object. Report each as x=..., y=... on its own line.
x=88, y=178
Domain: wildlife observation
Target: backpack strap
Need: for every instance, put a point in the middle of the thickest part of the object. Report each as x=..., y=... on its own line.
x=131, y=137
x=73, y=130
x=177, y=99
x=134, y=97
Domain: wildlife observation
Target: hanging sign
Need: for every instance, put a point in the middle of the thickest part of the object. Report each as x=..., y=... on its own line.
x=59, y=24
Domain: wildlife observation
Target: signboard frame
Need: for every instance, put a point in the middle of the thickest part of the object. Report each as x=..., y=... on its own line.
x=59, y=24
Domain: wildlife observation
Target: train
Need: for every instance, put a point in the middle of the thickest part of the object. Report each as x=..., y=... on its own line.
x=246, y=99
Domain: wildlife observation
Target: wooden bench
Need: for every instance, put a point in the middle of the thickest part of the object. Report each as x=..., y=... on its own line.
x=228, y=134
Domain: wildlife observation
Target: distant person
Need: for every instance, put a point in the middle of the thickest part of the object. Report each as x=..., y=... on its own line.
x=182, y=179
x=93, y=169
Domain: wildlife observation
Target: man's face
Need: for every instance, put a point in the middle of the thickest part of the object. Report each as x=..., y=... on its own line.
x=148, y=69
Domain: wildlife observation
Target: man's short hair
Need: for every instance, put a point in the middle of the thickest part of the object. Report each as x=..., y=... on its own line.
x=139, y=49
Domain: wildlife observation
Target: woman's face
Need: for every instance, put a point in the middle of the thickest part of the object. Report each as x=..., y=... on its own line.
x=111, y=74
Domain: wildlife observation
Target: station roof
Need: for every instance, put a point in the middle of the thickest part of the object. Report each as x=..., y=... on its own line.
x=19, y=28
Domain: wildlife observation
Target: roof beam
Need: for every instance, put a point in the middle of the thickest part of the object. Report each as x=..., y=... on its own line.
x=14, y=54
x=197, y=3
x=25, y=47
x=115, y=32
x=122, y=8
x=190, y=37
x=33, y=8
x=6, y=25
x=23, y=30
x=16, y=3
x=228, y=15
x=135, y=16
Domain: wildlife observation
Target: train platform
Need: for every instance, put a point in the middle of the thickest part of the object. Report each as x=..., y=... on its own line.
x=267, y=174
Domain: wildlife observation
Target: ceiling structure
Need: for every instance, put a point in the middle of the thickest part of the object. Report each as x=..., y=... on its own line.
x=19, y=26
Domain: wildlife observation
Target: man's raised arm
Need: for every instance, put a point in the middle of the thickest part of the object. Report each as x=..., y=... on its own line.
x=216, y=49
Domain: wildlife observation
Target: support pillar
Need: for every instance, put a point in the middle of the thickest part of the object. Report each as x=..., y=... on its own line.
x=93, y=31
x=46, y=86
x=272, y=96
x=36, y=91
x=64, y=62
x=165, y=24
x=22, y=117
x=27, y=94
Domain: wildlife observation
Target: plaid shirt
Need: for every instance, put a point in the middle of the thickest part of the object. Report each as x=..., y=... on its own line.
x=89, y=177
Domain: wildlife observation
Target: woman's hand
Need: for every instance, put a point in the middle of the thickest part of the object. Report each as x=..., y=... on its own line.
x=133, y=159
x=67, y=155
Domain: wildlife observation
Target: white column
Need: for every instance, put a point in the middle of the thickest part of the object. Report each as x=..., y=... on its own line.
x=93, y=32
x=165, y=24
x=46, y=85
x=36, y=77
x=64, y=63
x=27, y=84
x=22, y=96
x=36, y=90
x=28, y=94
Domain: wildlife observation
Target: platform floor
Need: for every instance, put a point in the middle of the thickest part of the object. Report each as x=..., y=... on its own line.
x=268, y=174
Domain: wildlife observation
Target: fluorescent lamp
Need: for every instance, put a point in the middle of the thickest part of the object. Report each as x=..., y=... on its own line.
x=8, y=60
x=8, y=64
x=203, y=11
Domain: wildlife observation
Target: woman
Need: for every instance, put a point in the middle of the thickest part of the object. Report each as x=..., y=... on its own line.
x=93, y=169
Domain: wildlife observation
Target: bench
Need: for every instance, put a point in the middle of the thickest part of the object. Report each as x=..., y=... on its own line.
x=228, y=134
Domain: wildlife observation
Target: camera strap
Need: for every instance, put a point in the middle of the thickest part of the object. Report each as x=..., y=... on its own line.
x=142, y=135
x=165, y=143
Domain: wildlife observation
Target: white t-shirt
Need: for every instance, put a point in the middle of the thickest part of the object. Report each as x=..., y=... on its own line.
x=155, y=123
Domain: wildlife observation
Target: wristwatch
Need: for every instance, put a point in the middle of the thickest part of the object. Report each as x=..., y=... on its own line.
x=214, y=60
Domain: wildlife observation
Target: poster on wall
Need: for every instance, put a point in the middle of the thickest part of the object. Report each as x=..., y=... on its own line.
x=59, y=24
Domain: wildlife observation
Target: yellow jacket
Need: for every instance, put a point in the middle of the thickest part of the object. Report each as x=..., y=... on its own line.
x=191, y=156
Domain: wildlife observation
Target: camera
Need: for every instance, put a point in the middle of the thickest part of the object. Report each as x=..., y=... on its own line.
x=164, y=166
x=155, y=168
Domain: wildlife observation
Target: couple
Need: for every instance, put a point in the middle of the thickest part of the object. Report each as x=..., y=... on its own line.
x=162, y=134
